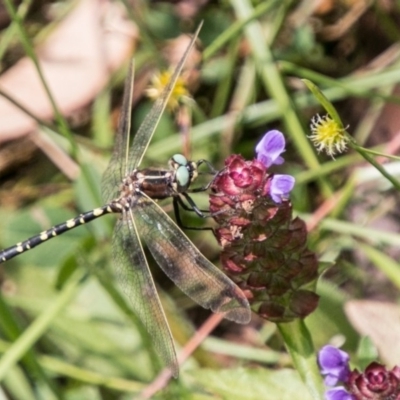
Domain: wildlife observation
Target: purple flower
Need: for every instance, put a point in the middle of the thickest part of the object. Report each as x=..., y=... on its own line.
x=338, y=393
x=281, y=186
x=334, y=365
x=269, y=149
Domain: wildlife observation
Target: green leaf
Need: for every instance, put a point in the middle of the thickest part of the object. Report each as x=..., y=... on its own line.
x=382, y=261
x=323, y=100
x=366, y=352
x=252, y=384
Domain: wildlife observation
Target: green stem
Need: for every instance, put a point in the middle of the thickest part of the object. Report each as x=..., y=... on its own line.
x=381, y=154
x=299, y=343
x=26, y=111
x=365, y=154
x=86, y=376
x=11, y=31
x=274, y=85
x=33, y=333
x=11, y=328
x=234, y=30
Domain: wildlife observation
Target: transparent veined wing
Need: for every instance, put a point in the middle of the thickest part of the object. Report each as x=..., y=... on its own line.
x=134, y=277
x=117, y=166
x=145, y=133
x=183, y=263
x=124, y=160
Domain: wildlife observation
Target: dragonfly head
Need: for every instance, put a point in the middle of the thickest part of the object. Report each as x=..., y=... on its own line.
x=185, y=172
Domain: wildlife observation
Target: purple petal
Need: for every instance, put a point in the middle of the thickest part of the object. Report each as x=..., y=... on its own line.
x=331, y=379
x=334, y=365
x=338, y=393
x=270, y=148
x=281, y=186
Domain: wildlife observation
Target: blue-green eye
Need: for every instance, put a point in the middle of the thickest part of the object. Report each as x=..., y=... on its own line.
x=180, y=159
x=182, y=176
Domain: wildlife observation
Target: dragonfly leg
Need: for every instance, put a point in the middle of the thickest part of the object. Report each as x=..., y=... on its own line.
x=192, y=206
x=201, y=189
x=178, y=202
x=211, y=169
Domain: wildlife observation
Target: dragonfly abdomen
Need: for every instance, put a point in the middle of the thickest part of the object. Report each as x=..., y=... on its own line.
x=56, y=230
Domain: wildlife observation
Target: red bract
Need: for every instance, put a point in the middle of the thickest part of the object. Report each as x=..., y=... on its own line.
x=375, y=383
x=264, y=249
x=242, y=176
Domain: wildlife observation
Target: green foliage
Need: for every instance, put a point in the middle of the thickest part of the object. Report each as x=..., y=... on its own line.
x=251, y=384
x=65, y=330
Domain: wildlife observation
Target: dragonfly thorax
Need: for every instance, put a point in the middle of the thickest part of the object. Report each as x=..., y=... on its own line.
x=158, y=183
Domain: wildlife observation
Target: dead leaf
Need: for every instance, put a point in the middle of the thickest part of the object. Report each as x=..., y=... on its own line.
x=381, y=322
x=76, y=59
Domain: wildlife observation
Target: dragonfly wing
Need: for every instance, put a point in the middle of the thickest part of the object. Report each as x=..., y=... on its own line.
x=149, y=125
x=134, y=277
x=117, y=167
x=187, y=267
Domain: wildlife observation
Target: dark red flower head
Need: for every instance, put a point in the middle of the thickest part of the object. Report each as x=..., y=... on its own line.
x=241, y=176
x=264, y=249
x=375, y=383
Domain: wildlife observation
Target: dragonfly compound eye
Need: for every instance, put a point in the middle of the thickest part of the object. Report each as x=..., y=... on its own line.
x=182, y=177
x=179, y=160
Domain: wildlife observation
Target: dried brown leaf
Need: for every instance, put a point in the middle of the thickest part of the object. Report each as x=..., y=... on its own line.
x=381, y=322
x=76, y=59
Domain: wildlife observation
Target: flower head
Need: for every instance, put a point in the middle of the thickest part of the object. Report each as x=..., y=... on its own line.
x=327, y=135
x=334, y=365
x=241, y=176
x=160, y=81
x=375, y=383
x=264, y=248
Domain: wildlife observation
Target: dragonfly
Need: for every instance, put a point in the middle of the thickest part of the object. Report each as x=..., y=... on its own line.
x=132, y=193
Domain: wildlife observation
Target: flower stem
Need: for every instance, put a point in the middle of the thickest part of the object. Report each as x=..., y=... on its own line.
x=299, y=343
x=365, y=154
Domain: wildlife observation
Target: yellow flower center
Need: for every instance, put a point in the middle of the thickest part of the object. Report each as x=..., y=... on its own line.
x=158, y=84
x=327, y=135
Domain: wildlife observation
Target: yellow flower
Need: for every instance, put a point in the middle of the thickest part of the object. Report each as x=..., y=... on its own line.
x=158, y=84
x=327, y=135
